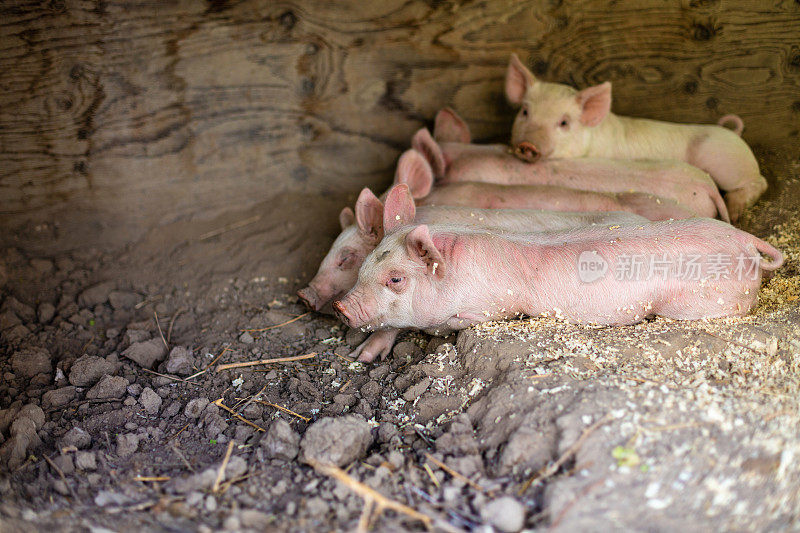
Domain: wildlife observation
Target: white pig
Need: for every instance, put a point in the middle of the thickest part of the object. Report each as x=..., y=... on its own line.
x=557, y=121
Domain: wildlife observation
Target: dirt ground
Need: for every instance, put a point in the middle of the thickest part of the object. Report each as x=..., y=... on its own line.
x=115, y=415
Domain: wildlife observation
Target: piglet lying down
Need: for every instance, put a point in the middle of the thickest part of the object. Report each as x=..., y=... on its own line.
x=444, y=278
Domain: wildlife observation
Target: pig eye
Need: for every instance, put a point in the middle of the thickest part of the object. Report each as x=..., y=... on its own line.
x=346, y=260
x=396, y=283
x=524, y=111
x=564, y=124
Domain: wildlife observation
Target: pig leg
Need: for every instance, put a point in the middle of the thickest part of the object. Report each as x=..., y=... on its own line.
x=731, y=164
x=377, y=345
x=738, y=200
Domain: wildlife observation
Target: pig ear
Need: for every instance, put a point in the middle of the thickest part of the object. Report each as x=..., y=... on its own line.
x=595, y=103
x=421, y=249
x=369, y=215
x=399, y=209
x=347, y=217
x=424, y=144
x=413, y=170
x=449, y=127
x=518, y=79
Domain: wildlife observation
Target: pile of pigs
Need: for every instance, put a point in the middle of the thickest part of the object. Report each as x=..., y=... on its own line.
x=589, y=217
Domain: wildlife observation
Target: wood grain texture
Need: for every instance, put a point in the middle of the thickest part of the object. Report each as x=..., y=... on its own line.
x=117, y=117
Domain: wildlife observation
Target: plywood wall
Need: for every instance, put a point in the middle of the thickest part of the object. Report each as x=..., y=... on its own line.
x=120, y=116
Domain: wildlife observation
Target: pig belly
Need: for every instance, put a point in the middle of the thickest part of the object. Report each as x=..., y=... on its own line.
x=629, y=302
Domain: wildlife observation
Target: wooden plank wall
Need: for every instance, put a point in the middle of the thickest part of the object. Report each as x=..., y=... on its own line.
x=119, y=116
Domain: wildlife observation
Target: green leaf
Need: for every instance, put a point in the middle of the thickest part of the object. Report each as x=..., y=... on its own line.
x=625, y=456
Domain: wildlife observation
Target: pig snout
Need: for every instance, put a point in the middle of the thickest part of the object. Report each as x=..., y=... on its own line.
x=342, y=313
x=527, y=152
x=310, y=298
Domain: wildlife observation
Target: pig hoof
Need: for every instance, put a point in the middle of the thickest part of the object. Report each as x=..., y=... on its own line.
x=527, y=152
x=369, y=350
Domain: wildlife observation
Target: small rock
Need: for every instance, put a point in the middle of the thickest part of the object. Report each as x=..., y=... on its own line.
x=371, y=391
x=98, y=294
x=9, y=319
x=123, y=299
x=387, y=431
x=42, y=266
x=77, y=437
x=180, y=361
x=88, y=369
x=58, y=397
x=150, y=400
x=34, y=413
x=354, y=337
x=132, y=336
x=23, y=437
x=407, y=351
x=414, y=391
x=46, y=312
x=281, y=441
x=338, y=441
x=237, y=467
x=146, y=354
x=24, y=311
x=506, y=514
x=64, y=462
x=252, y=519
x=30, y=362
x=86, y=461
x=127, y=444
x=60, y=487
x=246, y=338
x=108, y=387
x=195, y=407
x=211, y=503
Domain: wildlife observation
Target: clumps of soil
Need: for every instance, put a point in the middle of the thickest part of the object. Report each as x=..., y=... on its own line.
x=124, y=404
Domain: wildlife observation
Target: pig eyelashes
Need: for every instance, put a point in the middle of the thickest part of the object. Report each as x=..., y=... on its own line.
x=346, y=260
x=396, y=282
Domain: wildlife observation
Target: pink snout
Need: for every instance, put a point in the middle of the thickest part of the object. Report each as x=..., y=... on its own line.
x=310, y=298
x=527, y=152
x=342, y=313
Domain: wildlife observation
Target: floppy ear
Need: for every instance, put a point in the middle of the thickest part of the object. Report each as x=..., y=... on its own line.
x=424, y=144
x=421, y=249
x=595, y=103
x=399, y=209
x=413, y=170
x=518, y=79
x=449, y=127
x=347, y=217
x=369, y=215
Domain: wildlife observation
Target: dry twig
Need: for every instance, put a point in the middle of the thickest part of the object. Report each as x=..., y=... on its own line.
x=277, y=325
x=60, y=474
x=374, y=502
x=228, y=227
x=222, y=467
x=236, y=415
x=284, y=409
x=454, y=473
x=553, y=468
x=158, y=325
x=172, y=322
x=228, y=366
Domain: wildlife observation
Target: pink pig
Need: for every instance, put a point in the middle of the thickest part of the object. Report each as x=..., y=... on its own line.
x=557, y=121
x=362, y=230
x=455, y=161
x=442, y=277
x=415, y=171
